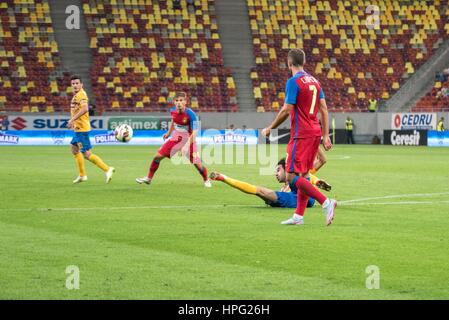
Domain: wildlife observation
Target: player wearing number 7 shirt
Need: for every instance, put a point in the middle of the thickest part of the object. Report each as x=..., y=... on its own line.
x=304, y=98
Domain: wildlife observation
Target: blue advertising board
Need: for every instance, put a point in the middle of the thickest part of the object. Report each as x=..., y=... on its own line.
x=438, y=138
x=106, y=137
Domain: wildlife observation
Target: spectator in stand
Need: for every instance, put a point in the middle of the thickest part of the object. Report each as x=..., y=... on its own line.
x=443, y=93
x=442, y=75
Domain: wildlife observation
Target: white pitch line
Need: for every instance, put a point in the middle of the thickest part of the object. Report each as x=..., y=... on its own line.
x=391, y=203
x=417, y=195
x=215, y=206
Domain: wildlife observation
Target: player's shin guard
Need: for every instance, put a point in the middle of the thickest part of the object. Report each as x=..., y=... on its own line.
x=202, y=170
x=153, y=168
x=79, y=159
x=301, y=202
x=96, y=160
x=240, y=185
x=306, y=187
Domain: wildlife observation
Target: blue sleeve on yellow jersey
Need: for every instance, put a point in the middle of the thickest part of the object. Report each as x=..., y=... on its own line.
x=193, y=119
x=291, y=91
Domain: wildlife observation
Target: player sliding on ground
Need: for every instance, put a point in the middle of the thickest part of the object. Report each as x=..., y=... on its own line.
x=285, y=198
x=184, y=126
x=80, y=123
x=303, y=99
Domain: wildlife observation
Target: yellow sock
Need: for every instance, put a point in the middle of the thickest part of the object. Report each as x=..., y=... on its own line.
x=80, y=164
x=96, y=160
x=312, y=171
x=240, y=185
x=313, y=179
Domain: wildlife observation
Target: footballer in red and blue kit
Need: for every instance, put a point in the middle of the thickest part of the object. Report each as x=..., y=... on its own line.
x=184, y=123
x=181, y=138
x=304, y=98
x=304, y=92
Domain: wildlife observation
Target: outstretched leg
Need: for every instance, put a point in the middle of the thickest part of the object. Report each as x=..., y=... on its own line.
x=96, y=160
x=264, y=193
x=152, y=170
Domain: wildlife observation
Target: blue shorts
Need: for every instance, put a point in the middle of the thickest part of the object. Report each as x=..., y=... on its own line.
x=288, y=200
x=81, y=139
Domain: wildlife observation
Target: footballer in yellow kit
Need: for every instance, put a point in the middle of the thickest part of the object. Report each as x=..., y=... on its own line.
x=80, y=123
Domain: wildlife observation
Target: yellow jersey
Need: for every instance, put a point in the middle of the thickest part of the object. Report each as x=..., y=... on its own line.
x=82, y=124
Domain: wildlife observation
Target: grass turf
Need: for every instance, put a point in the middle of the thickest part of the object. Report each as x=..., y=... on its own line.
x=177, y=240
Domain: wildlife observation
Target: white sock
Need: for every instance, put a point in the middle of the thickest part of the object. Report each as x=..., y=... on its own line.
x=326, y=203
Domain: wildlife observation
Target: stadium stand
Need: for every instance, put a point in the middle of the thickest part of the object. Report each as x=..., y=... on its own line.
x=437, y=99
x=30, y=75
x=352, y=62
x=144, y=51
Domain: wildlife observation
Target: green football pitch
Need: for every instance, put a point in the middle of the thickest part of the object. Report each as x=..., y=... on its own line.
x=176, y=239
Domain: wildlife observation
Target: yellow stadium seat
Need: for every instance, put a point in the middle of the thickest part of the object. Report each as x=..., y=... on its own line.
x=50, y=109
x=34, y=109
x=194, y=104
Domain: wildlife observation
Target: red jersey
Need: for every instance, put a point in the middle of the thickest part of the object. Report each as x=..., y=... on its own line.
x=184, y=122
x=304, y=92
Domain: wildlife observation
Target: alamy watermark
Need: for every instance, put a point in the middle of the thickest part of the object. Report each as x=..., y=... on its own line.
x=72, y=22
x=72, y=281
x=373, y=279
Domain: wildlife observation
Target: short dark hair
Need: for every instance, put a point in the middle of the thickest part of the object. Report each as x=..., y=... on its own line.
x=75, y=77
x=281, y=163
x=296, y=57
x=181, y=94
